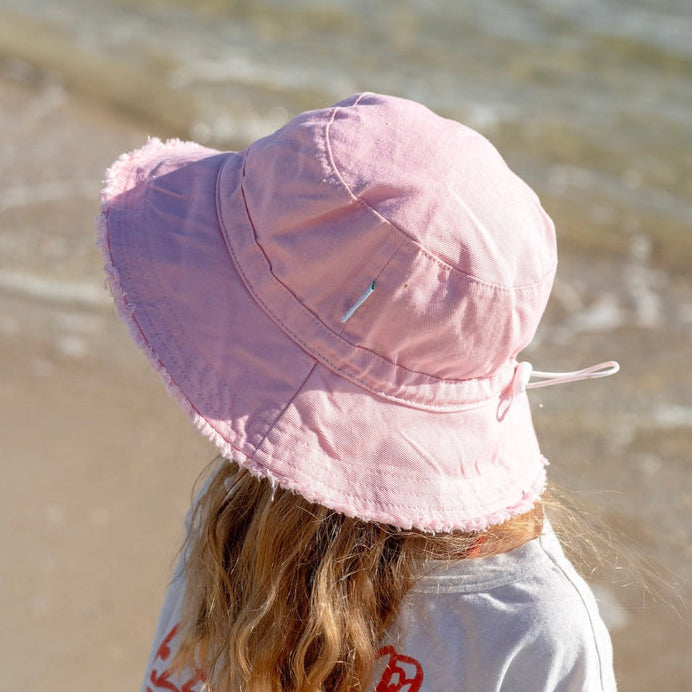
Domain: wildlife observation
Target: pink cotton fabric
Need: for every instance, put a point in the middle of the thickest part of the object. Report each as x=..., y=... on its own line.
x=233, y=271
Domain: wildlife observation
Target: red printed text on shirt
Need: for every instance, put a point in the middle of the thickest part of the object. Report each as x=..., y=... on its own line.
x=401, y=674
x=160, y=678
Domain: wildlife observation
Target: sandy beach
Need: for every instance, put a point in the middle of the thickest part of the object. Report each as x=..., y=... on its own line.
x=99, y=463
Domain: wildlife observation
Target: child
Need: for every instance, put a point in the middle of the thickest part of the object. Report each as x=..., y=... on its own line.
x=340, y=308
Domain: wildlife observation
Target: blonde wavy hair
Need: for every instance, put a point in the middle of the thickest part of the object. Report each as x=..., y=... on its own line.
x=286, y=595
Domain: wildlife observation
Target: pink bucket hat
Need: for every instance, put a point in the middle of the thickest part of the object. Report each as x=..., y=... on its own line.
x=339, y=307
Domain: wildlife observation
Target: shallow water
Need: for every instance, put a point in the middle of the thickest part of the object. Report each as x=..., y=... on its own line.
x=588, y=100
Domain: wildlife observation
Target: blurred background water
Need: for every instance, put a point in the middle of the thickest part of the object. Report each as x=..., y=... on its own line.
x=589, y=101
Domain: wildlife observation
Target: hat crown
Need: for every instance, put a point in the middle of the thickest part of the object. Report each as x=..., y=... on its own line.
x=380, y=189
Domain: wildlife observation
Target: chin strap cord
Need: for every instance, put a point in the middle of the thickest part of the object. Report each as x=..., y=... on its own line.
x=524, y=372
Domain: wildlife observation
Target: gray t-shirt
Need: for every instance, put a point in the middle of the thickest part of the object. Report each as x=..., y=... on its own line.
x=523, y=621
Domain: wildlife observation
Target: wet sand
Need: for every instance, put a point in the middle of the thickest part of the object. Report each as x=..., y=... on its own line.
x=99, y=463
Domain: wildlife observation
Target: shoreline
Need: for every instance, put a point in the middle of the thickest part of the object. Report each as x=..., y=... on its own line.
x=602, y=207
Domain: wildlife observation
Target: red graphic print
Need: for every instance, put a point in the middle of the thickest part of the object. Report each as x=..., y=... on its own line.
x=162, y=680
x=402, y=674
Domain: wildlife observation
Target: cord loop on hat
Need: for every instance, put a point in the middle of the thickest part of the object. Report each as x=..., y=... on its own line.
x=524, y=372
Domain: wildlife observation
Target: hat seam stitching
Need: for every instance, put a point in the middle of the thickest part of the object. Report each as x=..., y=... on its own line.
x=539, y=476
x=451, y=407
x=376, y=276
x=126, y=309
x=392, y=468
x=391, y=491
x=171, y=357
x=198, y=392
x=159, y=364
x=281, y=413
x=442, y=263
